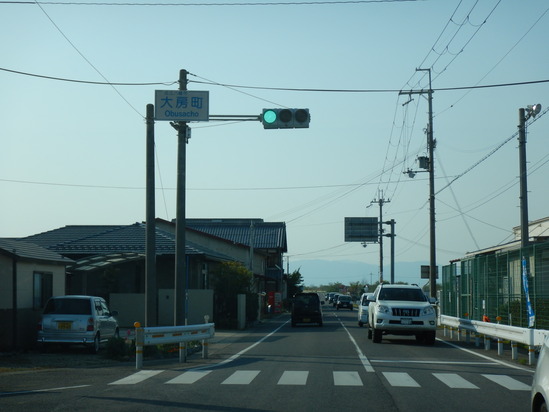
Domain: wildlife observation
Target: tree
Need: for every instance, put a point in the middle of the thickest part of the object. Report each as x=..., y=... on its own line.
x=231, y=280
x=294, y=283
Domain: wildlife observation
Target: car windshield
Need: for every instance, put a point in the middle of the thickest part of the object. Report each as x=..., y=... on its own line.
x=416, y=295
x=68, y=307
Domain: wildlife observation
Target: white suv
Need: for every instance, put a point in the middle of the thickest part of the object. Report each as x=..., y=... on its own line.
x=401, y=310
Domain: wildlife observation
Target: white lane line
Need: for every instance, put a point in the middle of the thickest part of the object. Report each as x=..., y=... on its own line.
x=62, y=388
x=241, y=378
x=508, y=382
x=189, y=377
x=400, y=379
x=365, y=362
x=242, y=352
x=438, y=362
x=293, y=378
x=454, y=381
x=136, y=377
x=347, y=379
x=486, y=357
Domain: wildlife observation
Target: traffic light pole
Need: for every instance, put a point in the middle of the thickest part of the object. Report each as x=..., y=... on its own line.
x=180, y=287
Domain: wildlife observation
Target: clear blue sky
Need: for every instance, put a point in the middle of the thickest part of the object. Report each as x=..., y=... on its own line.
x=74, y=153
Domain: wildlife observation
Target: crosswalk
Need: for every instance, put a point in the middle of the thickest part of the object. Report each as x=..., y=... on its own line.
x=339, y=378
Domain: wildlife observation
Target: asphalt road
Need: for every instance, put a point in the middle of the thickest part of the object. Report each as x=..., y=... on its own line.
x=279, y=368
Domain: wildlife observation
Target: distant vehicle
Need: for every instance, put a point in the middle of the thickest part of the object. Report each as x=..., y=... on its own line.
x=540, y=384
x=306, y=308
x=77, y=319
x=344, y=301
x=363, y=304
x=333, y=301
x=401, y=310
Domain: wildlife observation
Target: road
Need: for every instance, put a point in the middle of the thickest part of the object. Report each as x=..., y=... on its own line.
x=280, y=368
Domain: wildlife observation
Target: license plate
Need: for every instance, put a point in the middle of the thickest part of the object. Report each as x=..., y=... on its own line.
x=406, y=321
x=64, y=325
x=306, y=319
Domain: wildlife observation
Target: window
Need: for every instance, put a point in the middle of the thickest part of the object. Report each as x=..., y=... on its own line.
x=42, y=289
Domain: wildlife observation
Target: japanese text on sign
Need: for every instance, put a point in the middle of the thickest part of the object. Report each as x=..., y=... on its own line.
x=182, y=105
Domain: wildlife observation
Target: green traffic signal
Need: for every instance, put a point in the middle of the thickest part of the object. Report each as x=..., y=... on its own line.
x=285, y=118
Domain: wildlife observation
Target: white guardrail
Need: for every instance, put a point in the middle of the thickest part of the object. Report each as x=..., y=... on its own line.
x=514, y=334
x=172, y=334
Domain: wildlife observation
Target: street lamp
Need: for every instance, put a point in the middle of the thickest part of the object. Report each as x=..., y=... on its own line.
x=524, y=115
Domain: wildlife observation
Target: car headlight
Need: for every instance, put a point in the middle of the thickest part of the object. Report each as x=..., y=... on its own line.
x=384, y=309
x=428, y=311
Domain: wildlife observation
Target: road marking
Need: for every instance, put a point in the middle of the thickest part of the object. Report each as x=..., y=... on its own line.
x=400, y=379
x=136, y=378
x=508, y=382
x=365, y=362
x=347, y=379
x=293, y=378
x=189, y=377
x=454, y=381
x=441, y=362
x=62, y=388
x=241, y=378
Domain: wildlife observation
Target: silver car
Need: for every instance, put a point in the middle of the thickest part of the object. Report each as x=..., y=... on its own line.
x=77, y=319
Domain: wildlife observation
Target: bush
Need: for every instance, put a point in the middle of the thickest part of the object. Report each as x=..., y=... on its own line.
x=118, y=349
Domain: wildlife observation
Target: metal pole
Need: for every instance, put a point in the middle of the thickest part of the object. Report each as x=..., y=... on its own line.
x=392, y=223
x=150, y=228
x=524, y=236
x=431, y=145
x=180, y=267
x=380, y=239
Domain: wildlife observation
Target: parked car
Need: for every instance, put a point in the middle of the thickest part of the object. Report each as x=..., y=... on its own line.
x=77, y=319
x=306, y=308
x=344, y=301
x=540, y=384
x=401, y=310
x=363, y=304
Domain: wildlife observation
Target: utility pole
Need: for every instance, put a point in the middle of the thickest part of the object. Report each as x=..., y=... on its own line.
x=380, y=202
x=392, y=236
x=151, y=293
x=524, y=235
x=431, y=170
x=180, y=298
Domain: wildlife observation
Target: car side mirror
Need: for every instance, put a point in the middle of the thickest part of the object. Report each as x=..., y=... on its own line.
x=433, y=301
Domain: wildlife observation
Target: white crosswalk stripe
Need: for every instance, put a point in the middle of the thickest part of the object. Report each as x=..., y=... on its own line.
x=508, y=382
x=454, y=381
x=189, y=377
x=347, y=379
x=241, y=378
x=340, y=378
x=293, y=378
x=400, y=379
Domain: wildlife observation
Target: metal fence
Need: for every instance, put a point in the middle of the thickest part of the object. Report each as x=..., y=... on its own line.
x=491, y=284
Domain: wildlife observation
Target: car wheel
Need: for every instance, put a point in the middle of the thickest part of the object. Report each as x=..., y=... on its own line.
x=360, y=324
x=377, y=336
x=543, y=407
x=94, y=348
x=337, y=308
x=369, y=333
x=117, y=333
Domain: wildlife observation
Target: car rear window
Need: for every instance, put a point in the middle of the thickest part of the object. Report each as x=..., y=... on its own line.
x=306, y=299
x=68, y=307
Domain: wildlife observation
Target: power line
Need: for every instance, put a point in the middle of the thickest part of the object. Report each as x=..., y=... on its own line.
x=241, y=4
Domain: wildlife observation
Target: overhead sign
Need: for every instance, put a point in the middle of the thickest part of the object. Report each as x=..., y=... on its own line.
x=361, y=229
x=425, y=270
x=181, y=105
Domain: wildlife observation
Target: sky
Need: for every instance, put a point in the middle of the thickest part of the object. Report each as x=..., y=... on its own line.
x=75, y=79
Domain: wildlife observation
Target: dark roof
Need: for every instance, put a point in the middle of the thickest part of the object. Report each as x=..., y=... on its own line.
x=263, y=235
x=29, y=251
x=109, y=240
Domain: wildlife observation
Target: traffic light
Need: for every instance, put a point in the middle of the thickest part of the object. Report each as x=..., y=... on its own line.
x=285, y=118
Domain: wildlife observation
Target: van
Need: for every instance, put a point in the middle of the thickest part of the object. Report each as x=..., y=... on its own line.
x=363, y=304
x=306, y=309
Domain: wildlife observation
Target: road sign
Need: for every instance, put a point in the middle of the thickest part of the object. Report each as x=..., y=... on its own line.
x=361, y=229
x=181, y=105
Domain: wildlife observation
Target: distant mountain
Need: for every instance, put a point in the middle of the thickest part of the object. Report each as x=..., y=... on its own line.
x=318, y=272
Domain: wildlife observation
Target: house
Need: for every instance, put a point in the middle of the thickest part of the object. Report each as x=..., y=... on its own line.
x=29, y=275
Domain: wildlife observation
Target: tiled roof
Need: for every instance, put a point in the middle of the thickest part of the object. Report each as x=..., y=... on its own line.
x=263, y=235
x=97, y=240
x=30, y=251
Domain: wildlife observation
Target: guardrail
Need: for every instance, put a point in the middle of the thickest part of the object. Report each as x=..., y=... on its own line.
x=514, y=334
x=172, y=334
